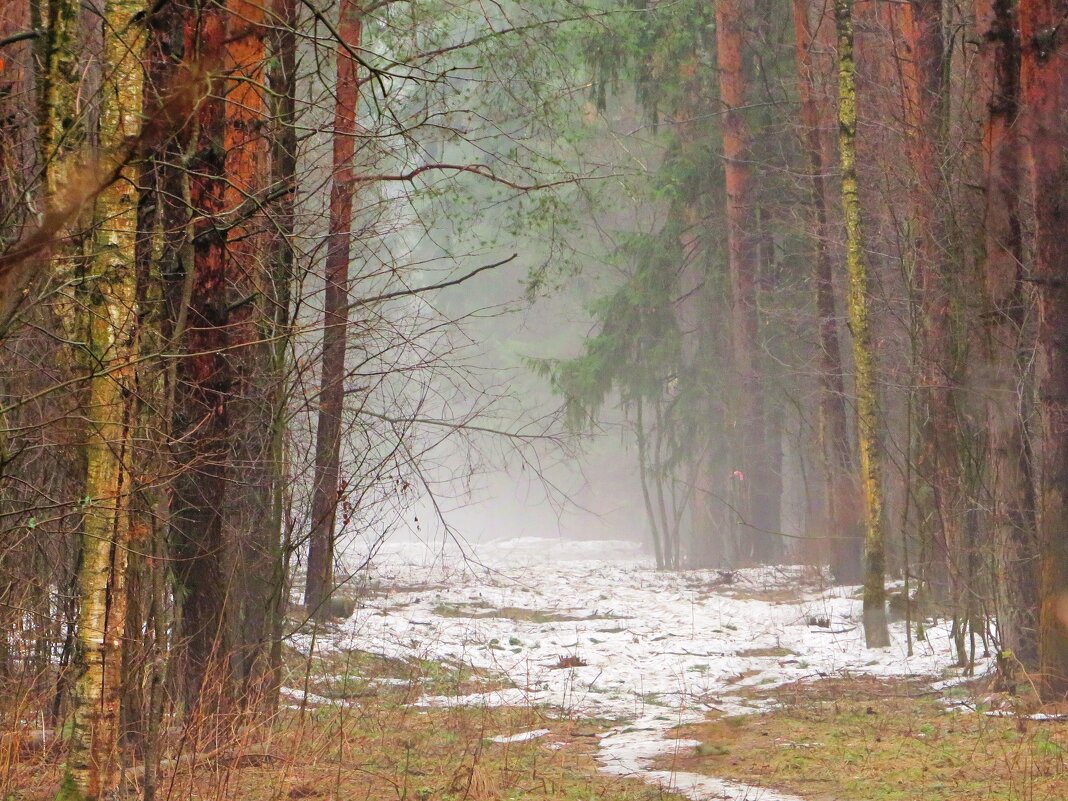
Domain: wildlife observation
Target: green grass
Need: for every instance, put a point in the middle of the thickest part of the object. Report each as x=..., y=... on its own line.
x=864, y=739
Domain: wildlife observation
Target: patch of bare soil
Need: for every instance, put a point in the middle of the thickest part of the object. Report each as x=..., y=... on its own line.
x=774, y=588
x=478, y=610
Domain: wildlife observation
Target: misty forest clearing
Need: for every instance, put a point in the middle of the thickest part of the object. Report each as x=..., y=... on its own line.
x=563, y=400
x=588, y=630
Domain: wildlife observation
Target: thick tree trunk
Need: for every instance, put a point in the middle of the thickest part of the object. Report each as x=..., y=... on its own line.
x=335, y=320
x=250, y=547
x=761, y=513
x=1044, y=120
x=1012, y=487
x=92, y=755
x=203, y=387
x=842, y=491
x=876, y=634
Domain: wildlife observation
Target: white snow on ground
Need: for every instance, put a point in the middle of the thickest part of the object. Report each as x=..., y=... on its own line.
x=646, y=648
x=521, y=737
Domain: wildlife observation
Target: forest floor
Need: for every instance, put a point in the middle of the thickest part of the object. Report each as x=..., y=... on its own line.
x=749, y=685
x=356, y=732
x=880, y=739
x=557, y=671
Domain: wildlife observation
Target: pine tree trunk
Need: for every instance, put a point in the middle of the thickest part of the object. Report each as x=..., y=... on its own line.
x=335, y=320
x=250, y=548
x=1012, y=487
x=876, y=634
x=92, y=756
x=203, y=387
x=1044, y=121
x=920, y=56
x=761, y=513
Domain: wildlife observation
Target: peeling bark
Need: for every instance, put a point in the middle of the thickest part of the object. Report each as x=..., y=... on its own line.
x=92, y=755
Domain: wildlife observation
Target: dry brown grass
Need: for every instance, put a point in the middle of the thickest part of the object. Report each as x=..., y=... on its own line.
x=375, y=745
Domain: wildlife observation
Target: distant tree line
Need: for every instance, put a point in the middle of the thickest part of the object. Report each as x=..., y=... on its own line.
x=853, y=296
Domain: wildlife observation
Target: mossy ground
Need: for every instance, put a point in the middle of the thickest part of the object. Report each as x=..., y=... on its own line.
x=866, y=739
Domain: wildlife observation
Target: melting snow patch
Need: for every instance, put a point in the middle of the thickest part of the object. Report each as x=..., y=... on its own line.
x=1008, y=713
x=705, y=788
x=521, y=737
x=650, y=649
x=309, y=698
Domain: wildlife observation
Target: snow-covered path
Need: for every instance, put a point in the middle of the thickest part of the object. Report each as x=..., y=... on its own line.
x=607, y=636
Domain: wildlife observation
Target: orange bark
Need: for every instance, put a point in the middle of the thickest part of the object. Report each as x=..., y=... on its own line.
x=250, y=549
x=761, y=514
x=203, y=385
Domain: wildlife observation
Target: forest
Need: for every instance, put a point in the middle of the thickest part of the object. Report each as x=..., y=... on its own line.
x=577, y=399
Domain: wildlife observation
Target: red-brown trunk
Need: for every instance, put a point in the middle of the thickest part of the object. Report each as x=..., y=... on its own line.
x=920, y=53
x=335, y=319
x=1012, y=488
x=204, y=386
x=1044, y=130
x=761, y=514
x=250, y=551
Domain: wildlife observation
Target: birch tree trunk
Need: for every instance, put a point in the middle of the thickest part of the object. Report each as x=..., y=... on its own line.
x=876, y=634
x=92, y=755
